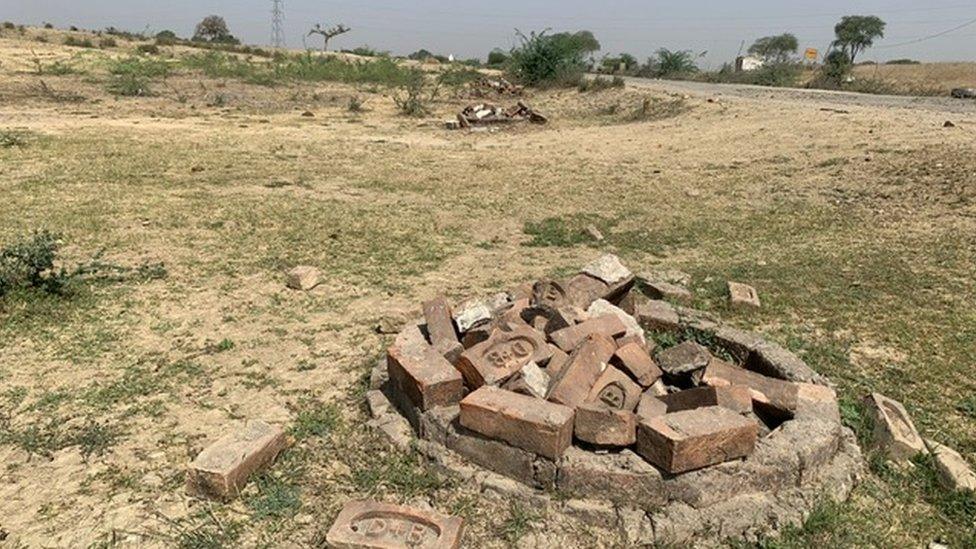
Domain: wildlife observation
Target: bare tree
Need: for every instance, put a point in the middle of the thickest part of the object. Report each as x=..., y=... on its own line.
x=328, y=34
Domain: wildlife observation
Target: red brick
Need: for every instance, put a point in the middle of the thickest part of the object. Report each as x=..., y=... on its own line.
x=567, y=339
x=769, y=395
x=650, y=406
x=535, y=425
x=556, y=363
x=440, y=328
x=373, y=525
x=693, y=439
x=223, y=468
x=737, y=398
x=424, y=376
x=604, y=426
x=549, y=293
x=615, y=390
x=634, y=359
x=546, y=319
x=585, y=364
x=582, y=290
x=685, y=358
x=493, y=361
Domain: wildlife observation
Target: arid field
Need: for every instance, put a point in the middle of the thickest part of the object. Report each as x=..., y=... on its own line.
x=856, y=223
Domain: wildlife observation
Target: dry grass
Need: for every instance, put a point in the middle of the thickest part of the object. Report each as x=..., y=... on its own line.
x=857, y=230
x=923, y=79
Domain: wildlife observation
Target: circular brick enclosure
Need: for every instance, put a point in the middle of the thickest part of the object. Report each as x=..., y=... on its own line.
x=801, y=456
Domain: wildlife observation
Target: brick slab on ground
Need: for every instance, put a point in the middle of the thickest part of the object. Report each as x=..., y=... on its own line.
x=223, y=468
x=373, y=525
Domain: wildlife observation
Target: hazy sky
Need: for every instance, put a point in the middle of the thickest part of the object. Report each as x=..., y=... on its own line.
x=471, y=29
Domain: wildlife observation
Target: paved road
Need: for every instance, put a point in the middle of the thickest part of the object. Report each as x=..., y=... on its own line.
x=824, y=98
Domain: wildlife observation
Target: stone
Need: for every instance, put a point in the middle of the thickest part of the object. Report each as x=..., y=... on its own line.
x=424, y=376
x=772, y=360
x=650, y=406
x=954, y=472
x=303, y=277
x=737, y=398
x=531, y=380
x=542, y=427
x=817, y=402
x=371, y=525
x=602, y=307
x=655, y=288
x=582, y=290
x=584, y=367
x=743, y=295
x=894, y=432
x=689, y=440
x=659, y=388
x=569, y=338
x=634, y=359
x=377, y=402
x=440, y=324
x=615, y=390
x=472, y=314
x=770, y=396
x=495, y=360
x=597, y=423
x=609, y=269
x=622, y=478
x=222, y=469
x=683, y=359
x=658, y=316
x=738, y=343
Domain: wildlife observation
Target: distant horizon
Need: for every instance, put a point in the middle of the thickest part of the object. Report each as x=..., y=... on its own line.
x=708, y=29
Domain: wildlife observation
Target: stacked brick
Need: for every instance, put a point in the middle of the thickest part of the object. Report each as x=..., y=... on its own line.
x=566, y=363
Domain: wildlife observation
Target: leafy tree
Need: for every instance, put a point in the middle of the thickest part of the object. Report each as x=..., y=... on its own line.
x=837, y=66
x=856, y=33
x=213, y=28
x=775, y=48
x=629, y=61
x=420, y=55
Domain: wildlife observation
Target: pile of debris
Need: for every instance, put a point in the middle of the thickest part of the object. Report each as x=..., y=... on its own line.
x=486, y=114
x=563, y=361
x=496, y=86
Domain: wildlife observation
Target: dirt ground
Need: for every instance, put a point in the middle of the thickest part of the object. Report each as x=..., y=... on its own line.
x=857, y=227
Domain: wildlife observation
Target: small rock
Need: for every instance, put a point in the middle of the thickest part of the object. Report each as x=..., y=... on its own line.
x=894, y=431
x=743, y=295
x=948, y=124
x=594, y=233
x=954, y=471
x=308, y=114
x=303, y=277
x=609, y=269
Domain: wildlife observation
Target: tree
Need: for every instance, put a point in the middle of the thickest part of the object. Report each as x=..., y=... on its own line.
x=557, y=59
x=213, y=28
x=775, y=48
x=497, y=57
x=420, y=55
x=856, y=33
x=629, y=61
x=328, y=34
x=669, y=63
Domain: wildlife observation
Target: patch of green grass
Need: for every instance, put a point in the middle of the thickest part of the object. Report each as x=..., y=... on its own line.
x=300, y=68
x=130, y=85
x=141, y=67
x=276, y=499
x=13, y=138
x=518, y=522
x=566, y=231
x=406, y=474
x=46, y=438
x=967, y=406
x=315, y=420
x=201, y=530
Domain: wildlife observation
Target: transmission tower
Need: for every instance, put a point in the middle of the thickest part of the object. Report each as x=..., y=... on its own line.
x=277, y=18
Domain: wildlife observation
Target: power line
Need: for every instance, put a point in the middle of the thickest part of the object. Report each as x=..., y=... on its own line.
x=277, y=23
x=929, y=37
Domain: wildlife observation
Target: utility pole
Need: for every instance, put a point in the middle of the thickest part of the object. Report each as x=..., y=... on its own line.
x=277, y=18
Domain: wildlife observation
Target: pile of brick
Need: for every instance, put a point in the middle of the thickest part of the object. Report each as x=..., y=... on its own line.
x=486, y=114
x=495, y=86
x=558, y=363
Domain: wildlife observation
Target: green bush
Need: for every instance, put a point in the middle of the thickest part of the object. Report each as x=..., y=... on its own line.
x=903, y=62
x=149, y=49
x=8, y=25
x=556, y=60
x=130, y=85
x=139, y=67
x=78, y=43
x=29, y=264
x=670, y=63
x=458, y=77
x=12, y=138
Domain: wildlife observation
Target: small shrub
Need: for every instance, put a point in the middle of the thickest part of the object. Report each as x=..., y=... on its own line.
x=417, y=95
x=148, y=49
x=48, y=26
x=29, y=264
x=41, y=38
x=600, y=83
x=78, y=42
x=903, y=62
x=107, y=42
x=58, y=68
x=8, y=25
x=130, y=85
x=556, y=60
x=166, y=38
x=356, y=104
x=458, y=77
x=12, y=138
x=139, y=67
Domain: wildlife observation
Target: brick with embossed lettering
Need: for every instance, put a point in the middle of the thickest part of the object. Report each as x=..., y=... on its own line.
x=502, y=355
x=371, y=525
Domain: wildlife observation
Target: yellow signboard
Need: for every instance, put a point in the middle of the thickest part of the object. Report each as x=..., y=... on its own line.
x=812, y=54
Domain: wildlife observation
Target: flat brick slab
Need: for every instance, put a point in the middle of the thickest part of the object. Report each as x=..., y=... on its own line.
x=609, y=269
x=683, y=358
x=693, y=439
x=651, y=405
x=598, y=424
x=302, y=277
x=584, y=367
x=634, y=359
x=222, y=469
x=545, y=428
x=743, y=295
x=502, y=355
x=737, y=398
x=372, y=525
x=424, y=376
x=769, y=395
x=569, y=338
